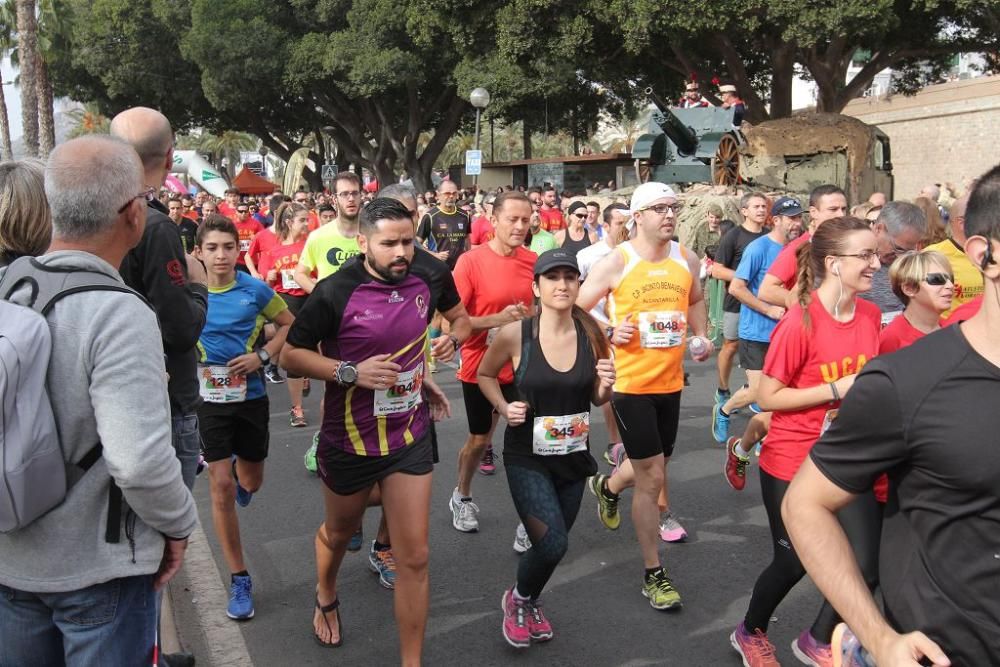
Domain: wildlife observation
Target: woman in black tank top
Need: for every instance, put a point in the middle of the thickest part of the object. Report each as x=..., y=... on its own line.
x=561, y=365
x=577, y=225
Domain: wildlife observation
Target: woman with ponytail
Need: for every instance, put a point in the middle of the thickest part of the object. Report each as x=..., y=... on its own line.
x=816, y=351
x=277, y=266
x=562, y=364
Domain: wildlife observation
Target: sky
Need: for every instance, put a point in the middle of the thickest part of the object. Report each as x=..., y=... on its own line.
x=13, y=97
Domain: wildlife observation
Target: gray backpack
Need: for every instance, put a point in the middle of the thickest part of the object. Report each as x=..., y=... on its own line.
x=32, y=466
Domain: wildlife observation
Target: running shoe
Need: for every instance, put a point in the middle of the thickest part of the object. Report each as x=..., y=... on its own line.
x=671, y=530
x=847, y=650
x=357, y=539
x=464, y=515
x=660, y=591
x=722, y=395
x=297, y=418
x=243, y=497
x=618, y=456
x=755, y=649
x=383, y=564
x=306, y=387
x=538, y=626
x=720, y=423
x=521, y=540
x=240, y=598
x=736, y=465
x=754, y=408
x=310, y=457
x=609, y=453
x=515, y=620
x=607, y=504
x=811, y=652
x=273, y=375
x=486, y=466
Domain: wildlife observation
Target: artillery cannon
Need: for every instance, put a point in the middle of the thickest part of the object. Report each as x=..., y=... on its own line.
x=689, y=146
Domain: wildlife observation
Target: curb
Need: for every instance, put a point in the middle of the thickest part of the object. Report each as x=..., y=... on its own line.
x=200, y=576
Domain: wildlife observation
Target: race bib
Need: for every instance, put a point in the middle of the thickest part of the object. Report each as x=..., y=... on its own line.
x=887, y=318
x=828, y=418
x=218, y=386
x=244, y=245
x=402, y=397
x=662, y=329
x=553, y=436
x=288, y=279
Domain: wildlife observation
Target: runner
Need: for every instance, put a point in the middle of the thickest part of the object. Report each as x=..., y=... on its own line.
x=576, y=236
x=494, y=281
x=445, y=228
x=924, y=283
x=653, y=297
x=371, y=319
x=330, y=246
x=539, y=240
x=757, y=321
x=562, y=363
x=291, y=223
x=247, y=228
x=926, y=415
x=552, y=216
x=262, y=243
x=753, y=207
x=816, y=351
x=186, y=227
x=968, y=278
x=614, y=218
x=234, y=416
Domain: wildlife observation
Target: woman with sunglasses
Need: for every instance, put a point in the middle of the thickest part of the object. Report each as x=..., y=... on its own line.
x=562, y=364
x=816, y=351
x=576, y=236
x=924, y=283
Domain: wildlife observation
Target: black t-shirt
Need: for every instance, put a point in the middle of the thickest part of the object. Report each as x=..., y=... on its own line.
x=434, y=272
x=188, y=229
x=446, y=231
x=730, y=253
x=929, y=415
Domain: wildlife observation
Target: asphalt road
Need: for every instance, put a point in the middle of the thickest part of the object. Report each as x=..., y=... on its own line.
x=593, y=600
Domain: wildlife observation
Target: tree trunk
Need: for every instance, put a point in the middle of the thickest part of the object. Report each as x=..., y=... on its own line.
x=6, y=150
x=782, y=74
x=27, y=35
x=421, y=175
x=526, y=138
x=46, y=112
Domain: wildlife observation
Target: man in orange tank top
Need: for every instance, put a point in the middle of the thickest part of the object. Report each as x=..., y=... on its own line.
x=654, y=299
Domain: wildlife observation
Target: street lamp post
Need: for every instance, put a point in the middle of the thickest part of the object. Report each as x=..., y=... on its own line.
x=263, y=160
x=480, y=97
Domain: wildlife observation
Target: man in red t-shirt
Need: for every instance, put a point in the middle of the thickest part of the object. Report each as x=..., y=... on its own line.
x=229, y=206
x=482, y=227
x=825, y=203
x=494, y=281
x=247, y=228
x=552, y=217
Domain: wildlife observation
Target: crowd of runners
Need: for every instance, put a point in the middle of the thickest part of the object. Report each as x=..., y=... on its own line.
x=881, y=484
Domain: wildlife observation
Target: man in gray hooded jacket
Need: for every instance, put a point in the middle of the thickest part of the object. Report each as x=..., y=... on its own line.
x=68, y=595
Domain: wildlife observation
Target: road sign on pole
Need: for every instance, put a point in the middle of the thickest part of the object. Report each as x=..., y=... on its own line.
x=329, y=172
x=473, y=163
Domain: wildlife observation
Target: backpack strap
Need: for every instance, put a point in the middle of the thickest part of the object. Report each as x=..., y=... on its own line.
x=113, y=530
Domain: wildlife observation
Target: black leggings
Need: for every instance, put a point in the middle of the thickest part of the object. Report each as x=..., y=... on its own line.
x=548, y=507
x=861, y=521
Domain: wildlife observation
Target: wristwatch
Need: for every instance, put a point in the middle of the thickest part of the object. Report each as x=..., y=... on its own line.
x=264, y=356
x=609, y=332
x=346, y=374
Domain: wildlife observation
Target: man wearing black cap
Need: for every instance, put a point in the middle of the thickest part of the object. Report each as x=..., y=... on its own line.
x=576, y=236
x=757, y=320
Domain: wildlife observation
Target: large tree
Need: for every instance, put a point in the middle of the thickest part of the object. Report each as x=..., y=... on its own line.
x=27, y=37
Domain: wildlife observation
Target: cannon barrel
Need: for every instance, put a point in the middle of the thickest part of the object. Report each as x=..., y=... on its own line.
x=684, y=137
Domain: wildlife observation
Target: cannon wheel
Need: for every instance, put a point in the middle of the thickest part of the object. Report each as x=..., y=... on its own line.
x=725, y=163
x=642, y=170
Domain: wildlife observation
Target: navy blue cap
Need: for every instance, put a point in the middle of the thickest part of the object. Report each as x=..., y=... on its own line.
x=555, y=258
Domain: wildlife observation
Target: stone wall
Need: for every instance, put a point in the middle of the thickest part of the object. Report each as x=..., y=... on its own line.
x=944, y=134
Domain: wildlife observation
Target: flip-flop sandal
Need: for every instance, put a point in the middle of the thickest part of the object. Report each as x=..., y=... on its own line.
x=333, y=606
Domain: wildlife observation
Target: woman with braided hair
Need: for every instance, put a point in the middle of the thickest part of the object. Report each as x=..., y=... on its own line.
x=816, y=351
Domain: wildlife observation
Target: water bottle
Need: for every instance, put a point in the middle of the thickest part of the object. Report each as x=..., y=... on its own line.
x=697, y=346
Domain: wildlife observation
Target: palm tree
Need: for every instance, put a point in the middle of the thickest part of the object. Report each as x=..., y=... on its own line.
x=8, y=43
x=27, y=38
x=617, y=135
x=227, y=147
x=52, y=28
x=88, y=120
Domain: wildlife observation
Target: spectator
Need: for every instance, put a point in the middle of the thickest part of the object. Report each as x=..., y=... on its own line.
x=731, y=100
x=936, y=233
x=72, y=590
x=25, y=221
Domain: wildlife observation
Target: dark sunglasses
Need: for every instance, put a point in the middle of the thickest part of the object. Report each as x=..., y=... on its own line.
x=939, y=279
x=582, y=216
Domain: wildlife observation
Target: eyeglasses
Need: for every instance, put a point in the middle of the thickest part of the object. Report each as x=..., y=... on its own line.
x=939, y=279
x=241, y=210
x=661, y=209
x=145, y=193
x=581, y=216
x=865, y=256
x=353, y=194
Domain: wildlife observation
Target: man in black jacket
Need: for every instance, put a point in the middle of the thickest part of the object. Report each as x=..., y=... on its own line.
x=173, y=282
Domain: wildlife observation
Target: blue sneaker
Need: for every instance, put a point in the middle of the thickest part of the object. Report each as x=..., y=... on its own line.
x=754, y=408
x=722, y=395
x=240, y=599
x=243, y=497
x=357, y=539
x=383, y=564
x=847, y=650
x=720, y=423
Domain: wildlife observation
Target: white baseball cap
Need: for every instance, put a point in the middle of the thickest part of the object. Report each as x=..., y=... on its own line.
x=647, y=193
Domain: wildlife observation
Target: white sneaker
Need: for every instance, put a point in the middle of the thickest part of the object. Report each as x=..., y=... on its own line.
x=464, y=515
x=521, y=541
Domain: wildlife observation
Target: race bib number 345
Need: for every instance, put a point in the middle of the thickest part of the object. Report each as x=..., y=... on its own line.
x=565, y=434
x=662, y=329
x=218, y=386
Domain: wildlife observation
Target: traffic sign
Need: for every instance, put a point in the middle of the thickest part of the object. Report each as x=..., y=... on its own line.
x=329, y=172
x=473, y=163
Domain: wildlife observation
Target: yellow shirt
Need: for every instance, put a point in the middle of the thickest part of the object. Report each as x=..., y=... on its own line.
x=968, y=278
x=656, y=295
x=327, y=249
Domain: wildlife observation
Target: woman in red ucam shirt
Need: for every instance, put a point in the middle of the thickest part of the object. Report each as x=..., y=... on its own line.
x=277, y=266
x=816, y=351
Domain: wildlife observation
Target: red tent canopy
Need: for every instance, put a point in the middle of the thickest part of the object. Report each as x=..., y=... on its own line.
x=250, y=183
